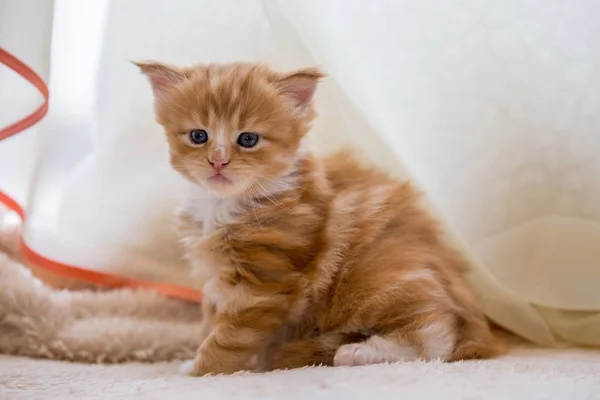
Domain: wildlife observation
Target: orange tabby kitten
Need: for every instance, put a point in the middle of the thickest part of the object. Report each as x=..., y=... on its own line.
x=303, y=260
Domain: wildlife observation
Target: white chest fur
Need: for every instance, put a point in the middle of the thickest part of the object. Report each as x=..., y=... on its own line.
x=206, y=213
x=208, y=210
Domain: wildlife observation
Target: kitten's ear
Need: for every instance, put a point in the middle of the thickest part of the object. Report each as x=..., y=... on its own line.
x=301, y=86
x=161, y=76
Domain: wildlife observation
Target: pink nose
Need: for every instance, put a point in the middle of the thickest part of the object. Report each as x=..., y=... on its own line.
x=218, y=164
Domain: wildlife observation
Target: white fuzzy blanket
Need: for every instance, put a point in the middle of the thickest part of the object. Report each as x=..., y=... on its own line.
x=524, y=374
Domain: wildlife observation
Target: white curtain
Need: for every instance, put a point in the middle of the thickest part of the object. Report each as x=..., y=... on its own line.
x=493, y=108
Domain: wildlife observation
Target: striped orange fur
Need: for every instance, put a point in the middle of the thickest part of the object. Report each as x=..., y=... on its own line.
x=302, y=260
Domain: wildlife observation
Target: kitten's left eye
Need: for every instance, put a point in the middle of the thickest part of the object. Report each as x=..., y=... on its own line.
x=247, y=139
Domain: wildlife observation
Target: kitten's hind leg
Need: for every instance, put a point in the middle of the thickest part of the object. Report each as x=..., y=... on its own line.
x=427, y=339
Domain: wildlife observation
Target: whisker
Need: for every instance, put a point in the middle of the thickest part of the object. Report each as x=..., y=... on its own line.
x=272, y=199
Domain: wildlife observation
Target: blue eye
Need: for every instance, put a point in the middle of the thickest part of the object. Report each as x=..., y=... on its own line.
x=247, y=139
x=198, y=136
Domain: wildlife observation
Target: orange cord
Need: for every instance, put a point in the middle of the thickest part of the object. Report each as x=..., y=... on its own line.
x=58, y=268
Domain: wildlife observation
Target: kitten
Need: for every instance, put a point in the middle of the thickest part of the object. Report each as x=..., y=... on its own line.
x=303, y=261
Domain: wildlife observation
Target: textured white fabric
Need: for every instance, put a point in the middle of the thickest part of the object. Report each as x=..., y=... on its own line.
x=492, y=108
x=525, y=374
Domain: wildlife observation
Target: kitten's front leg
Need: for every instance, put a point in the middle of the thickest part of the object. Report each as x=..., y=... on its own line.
x=238, y=335
x=208, y=319
x=206, y=327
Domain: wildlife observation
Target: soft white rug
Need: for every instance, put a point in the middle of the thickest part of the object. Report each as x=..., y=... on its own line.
x=523, y=374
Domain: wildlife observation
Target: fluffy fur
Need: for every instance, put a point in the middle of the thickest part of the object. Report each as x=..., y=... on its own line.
x=303, y=260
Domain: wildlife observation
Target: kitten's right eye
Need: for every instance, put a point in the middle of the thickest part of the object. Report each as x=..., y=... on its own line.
x=198, y=136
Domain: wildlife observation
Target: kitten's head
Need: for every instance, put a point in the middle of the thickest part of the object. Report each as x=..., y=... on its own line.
x=232, y=128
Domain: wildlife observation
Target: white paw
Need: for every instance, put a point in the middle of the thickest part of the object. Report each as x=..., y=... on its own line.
x=357, y=354
x=375, y=350
x=187, y=367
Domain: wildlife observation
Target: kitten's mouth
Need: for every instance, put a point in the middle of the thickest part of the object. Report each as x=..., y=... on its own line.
x=219, y=179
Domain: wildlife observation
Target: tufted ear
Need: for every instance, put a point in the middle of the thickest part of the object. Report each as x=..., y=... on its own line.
x=161, y=76
x=301, y=86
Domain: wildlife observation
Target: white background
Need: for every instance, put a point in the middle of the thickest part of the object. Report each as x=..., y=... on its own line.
x=492, y=107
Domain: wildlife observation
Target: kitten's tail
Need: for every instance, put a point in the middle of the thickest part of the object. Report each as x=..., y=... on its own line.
x=478, y=343
x=478, y=350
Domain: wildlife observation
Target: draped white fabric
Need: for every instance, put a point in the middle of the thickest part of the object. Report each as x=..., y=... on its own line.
x=493, y=108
